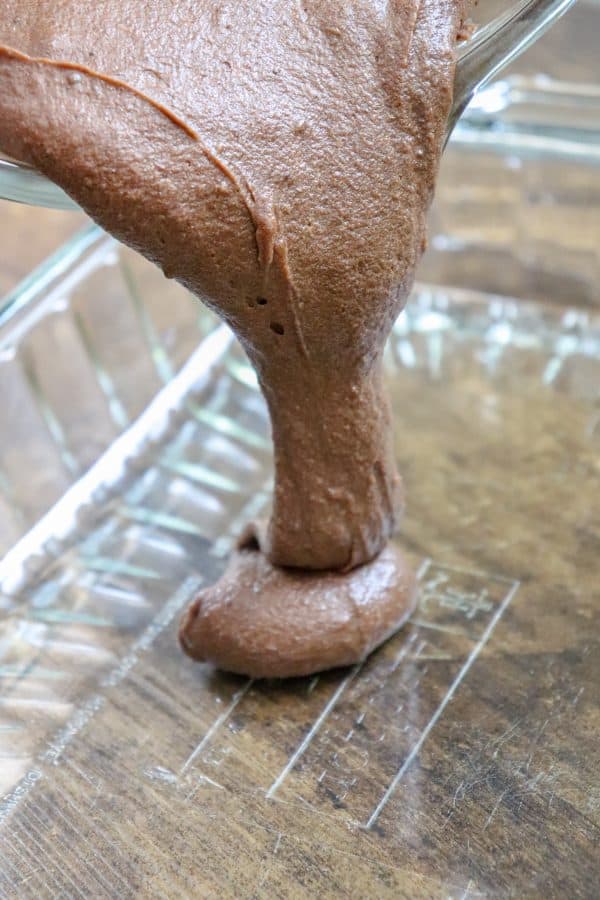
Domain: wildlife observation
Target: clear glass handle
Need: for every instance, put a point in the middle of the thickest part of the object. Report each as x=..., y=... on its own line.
x=499, y=43
x=479, y=59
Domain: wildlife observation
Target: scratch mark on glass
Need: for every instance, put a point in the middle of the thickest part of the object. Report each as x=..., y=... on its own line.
x=237, y=697
x=441, y=708
x=495, y=809
x=314, y=730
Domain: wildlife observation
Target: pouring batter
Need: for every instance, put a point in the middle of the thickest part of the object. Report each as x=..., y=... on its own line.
x=277, y=158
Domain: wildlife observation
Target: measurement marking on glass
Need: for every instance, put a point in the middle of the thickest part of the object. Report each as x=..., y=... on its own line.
x=416, y=749
x=313, y=731
x=82, y=715
x=325, y=712
x=475, y=573
x=434, y=627
x=237, y=697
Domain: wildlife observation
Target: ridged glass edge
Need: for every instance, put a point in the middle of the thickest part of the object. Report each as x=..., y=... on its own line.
x=58, y=525
x=30, y=289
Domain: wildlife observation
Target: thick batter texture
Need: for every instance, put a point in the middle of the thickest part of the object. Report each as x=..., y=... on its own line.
x=278, y=158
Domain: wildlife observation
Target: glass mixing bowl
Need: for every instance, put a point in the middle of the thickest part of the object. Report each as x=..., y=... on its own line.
x=480, y=58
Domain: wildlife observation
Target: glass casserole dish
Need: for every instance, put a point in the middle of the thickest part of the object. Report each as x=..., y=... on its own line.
x=134, y=447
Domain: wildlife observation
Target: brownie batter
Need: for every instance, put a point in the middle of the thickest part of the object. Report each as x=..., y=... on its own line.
x=277, y=158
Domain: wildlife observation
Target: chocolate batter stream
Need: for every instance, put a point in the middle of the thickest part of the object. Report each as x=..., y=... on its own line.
x=277, y=158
